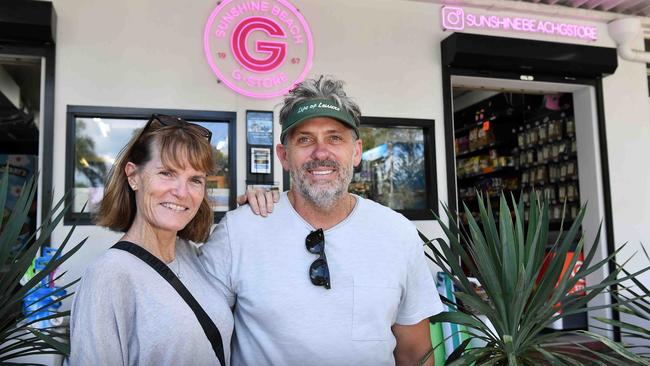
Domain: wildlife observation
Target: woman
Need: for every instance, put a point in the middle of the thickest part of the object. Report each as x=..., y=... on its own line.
x=124, y=312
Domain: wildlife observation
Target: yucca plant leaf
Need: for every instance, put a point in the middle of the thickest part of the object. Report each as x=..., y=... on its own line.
x=566, y=281
x=18, y=266
x=641, y=307
x=13, y=226
x=636, y=308
x=616, y=347
x=53, y=264
x=486, y=265
x=570, y=359
x=550, y=357
x=625, y=325
x=470, y=357
x=549, y=288
x=63, y=348
x=578, y=302
x=59, y=314
x=19, y=342
x=457, y=317
x=482, y=307
x=449, y=271
x=32, y=284
x=4, y=189
x=596, y=356
x=458, y=351
x=17, y=337
x=48, y=304
x=23, y=300
x=489, y=225
x=508, y=253
x=519, y=228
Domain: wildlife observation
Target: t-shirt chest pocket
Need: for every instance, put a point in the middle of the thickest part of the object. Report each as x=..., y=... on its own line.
x=374, y=311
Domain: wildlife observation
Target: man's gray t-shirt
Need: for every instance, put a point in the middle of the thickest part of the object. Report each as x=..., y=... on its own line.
x=125, y=313
x=379, y=278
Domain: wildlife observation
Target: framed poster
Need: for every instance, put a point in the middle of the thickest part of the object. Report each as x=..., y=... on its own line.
x=259, y=128
x=260, y=160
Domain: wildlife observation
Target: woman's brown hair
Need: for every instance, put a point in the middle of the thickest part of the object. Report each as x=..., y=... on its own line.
x=179, y=145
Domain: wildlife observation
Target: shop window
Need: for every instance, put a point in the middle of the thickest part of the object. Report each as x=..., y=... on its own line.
x=398, y=165
x=95, y=136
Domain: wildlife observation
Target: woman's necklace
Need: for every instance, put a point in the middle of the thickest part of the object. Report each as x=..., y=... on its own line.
x=176, y=271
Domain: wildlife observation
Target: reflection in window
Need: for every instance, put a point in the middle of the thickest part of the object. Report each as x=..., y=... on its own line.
x=392, y=170
x=99, y=140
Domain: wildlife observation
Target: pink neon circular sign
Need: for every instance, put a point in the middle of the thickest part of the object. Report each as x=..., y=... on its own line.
x=258, y=48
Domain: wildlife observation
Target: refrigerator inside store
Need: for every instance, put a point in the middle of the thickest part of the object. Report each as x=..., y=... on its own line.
x=514, y=142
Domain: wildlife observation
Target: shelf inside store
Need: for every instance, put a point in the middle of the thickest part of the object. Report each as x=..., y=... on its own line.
x=492, y=197
x=547, y=162
x=539, y=116
x=485, y=148
x=466, y=127
x=484, y=173
x=549, y=141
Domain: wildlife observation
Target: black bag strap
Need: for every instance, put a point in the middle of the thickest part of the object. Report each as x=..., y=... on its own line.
x=210, y=329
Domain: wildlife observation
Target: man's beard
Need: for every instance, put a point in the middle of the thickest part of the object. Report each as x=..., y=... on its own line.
x=322, y=195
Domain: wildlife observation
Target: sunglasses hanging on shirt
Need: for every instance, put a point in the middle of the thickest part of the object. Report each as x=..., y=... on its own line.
x=319, y=272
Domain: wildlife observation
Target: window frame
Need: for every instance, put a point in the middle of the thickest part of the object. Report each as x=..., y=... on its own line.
x=75, y=111
x=428, y=129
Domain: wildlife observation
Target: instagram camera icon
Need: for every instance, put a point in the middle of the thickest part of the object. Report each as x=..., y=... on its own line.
x=453, y=18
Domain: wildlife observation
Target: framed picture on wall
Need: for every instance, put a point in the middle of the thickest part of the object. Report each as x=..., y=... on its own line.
x=95, y=136
x=259, y=128
x=397, y=167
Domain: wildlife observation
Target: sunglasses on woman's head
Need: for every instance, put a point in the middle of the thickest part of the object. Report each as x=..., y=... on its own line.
x=165, y=120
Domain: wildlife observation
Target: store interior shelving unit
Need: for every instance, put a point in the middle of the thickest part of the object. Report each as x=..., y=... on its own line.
x=514, y=143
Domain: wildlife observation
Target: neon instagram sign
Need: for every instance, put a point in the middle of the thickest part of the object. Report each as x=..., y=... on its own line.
x=455, y=18
x=258, y=48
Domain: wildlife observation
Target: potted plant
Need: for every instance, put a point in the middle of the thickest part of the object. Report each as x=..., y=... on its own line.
x=506, y=256
x=19, y=336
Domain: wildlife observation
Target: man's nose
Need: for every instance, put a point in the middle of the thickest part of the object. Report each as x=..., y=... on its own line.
x=321, y=151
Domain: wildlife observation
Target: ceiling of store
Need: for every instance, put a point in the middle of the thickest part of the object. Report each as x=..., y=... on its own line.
x=628, y=7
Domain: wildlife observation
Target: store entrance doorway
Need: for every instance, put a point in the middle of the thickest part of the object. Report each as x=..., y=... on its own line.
x=21, y=99
x=514, y=136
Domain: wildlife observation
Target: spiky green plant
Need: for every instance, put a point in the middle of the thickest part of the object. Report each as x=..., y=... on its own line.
x=18, y=336
x=506, y=257
x=635, y=302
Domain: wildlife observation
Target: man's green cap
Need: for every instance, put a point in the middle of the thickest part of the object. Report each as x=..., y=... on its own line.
x=317, y=108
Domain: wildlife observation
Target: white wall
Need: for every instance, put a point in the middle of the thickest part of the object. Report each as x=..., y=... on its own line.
x=146, y=53
x=149, y=54
x=628, y=142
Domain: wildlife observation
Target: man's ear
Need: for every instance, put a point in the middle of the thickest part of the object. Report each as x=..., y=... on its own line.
x=281, y=152
x=358, y=149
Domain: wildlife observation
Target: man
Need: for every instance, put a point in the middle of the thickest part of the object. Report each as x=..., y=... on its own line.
x=329, y=278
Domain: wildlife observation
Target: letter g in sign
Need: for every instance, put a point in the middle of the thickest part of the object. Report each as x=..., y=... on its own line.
x=276, y=51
